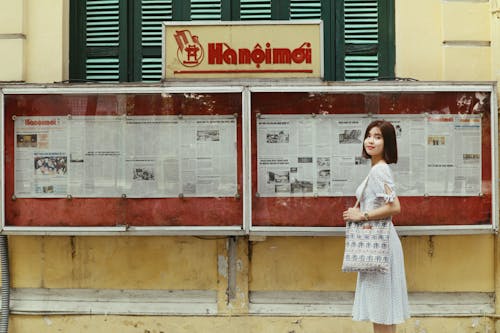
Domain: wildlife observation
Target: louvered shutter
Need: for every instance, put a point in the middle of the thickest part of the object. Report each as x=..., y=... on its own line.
x=205, y=10
x=255, y=10
x=361, y=35
x=305, y=9
x=153, y=13
x=102, y=40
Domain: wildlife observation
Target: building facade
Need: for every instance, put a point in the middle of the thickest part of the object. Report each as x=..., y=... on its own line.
x=248, y=284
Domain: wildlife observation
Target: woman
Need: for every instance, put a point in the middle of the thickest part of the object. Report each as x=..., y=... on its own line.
x=380, y=297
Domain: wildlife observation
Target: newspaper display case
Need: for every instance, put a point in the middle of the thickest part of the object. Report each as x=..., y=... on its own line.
x=108, y=159
x=307, y=163
x=255, y=157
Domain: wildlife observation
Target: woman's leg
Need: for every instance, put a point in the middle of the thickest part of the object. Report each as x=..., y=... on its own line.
x=378, y=328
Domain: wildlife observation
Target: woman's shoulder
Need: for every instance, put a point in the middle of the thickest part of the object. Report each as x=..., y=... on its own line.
x=382, y=169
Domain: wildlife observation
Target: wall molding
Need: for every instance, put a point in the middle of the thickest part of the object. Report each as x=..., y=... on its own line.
x=467, y=43
x=12, y=36
x=429, y=304
x=473, y=1
x=109, y=301
x=34, y=301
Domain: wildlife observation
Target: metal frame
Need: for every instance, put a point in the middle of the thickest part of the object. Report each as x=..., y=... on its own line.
x=122, y=230
x=489, y=87
x=233, y=23
x=2, y=165
x=246, y=87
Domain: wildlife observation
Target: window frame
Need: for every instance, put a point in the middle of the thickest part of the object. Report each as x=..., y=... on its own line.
x=130, y=51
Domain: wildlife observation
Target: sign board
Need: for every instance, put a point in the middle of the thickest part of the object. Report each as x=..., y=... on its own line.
x=272, y=49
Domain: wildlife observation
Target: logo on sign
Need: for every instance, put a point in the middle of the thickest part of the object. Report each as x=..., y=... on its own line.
x=189, y=52
x=198, y=52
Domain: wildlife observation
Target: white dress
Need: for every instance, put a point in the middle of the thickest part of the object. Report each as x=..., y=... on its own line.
x=382, y=298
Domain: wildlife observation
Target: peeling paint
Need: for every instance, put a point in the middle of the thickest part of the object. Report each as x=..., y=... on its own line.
x=222, y=266
x=239, y=265
x=47, y=321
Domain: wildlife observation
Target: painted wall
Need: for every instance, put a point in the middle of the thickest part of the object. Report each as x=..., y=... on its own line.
x=435, y=40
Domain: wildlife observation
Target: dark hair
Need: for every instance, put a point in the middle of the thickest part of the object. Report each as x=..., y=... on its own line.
x=390, y=144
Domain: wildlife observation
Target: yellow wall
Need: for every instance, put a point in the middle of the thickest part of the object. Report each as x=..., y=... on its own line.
x=435, y=40
x=34, y=40
x=12, y=40
x=113, y=262
x=444, y=264
x=126, y=324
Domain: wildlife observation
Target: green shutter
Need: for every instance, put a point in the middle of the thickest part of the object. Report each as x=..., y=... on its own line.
x=153, y=13
x=120, y=40
x=255, y=9
x=361, y=37
x=305, y=9
x=205, y=10
x=102, y=40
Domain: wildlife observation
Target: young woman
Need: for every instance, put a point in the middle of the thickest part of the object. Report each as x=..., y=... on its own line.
x=380, y=297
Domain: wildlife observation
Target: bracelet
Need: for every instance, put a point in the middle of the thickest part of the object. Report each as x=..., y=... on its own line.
x=366, y=216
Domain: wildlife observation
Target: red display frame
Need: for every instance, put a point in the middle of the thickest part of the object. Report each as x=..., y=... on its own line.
x=417, y=211
x=218, y=212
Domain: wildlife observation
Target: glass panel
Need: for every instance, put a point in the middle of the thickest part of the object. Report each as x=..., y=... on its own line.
x=114, y=159
x=308, y=155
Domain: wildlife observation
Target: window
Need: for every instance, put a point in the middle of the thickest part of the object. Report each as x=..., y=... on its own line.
x=120, y=40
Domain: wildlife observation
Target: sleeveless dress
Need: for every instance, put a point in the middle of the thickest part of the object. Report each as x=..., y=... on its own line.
x=382, y=298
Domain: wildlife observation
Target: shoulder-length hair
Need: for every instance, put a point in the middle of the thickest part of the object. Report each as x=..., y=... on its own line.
x=390, y=144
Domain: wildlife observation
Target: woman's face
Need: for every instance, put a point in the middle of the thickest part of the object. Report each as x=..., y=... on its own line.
x=374, y=143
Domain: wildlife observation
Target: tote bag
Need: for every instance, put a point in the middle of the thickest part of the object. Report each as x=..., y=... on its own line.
x=366, y=244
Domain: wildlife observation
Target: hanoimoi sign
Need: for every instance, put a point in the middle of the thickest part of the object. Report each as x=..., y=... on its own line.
x=267, y=49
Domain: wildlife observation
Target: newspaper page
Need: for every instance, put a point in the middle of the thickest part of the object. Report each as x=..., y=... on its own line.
x=468, y=155
x=152, y=157
x=440, y=177
x=285, y=161
x=96, y=151
x=41, y=159
x=208, y=156
x=410, y=137
x=349, y=166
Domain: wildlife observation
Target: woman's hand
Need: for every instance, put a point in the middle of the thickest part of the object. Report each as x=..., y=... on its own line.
x=353, y=215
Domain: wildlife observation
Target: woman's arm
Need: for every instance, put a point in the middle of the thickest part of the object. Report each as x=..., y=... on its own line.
x=389, y=209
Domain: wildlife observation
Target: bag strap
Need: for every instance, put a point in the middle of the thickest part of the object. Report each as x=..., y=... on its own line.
x=362, y=191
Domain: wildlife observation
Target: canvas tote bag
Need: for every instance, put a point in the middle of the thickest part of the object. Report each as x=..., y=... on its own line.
x=366, y=244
